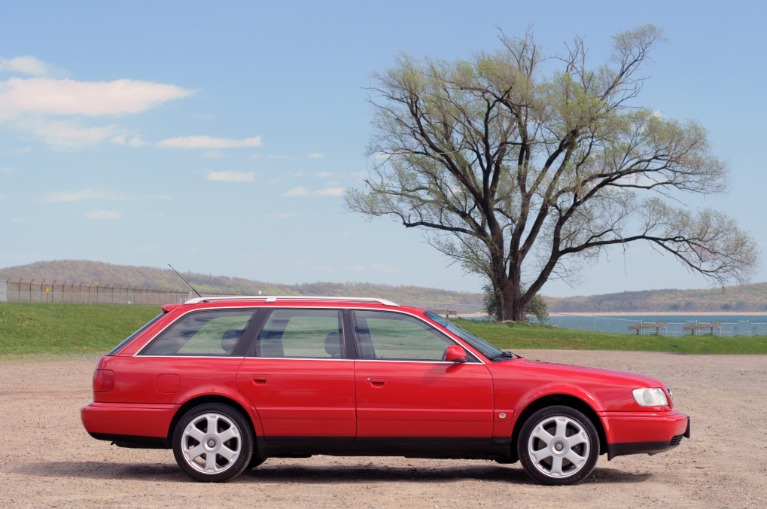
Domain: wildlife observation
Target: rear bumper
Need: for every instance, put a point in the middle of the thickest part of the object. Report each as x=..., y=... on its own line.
x=107, y=420
x=644, y=432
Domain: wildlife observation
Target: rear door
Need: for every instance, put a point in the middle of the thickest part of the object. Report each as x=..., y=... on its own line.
x=406, y=389
x=298, y=379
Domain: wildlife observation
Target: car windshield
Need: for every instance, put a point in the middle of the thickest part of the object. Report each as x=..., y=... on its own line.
x=488, y=350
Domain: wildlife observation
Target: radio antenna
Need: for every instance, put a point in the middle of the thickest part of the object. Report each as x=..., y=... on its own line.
x=185, y=281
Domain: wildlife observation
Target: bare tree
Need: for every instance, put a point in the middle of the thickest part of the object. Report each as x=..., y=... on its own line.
x=519, y=167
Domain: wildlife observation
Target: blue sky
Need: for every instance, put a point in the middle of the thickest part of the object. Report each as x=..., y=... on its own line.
x=220, y=136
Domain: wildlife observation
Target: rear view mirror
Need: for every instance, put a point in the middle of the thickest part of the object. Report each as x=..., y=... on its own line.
x=455, y=353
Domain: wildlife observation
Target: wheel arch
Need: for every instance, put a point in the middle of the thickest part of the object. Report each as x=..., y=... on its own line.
x=183, y=409
x=563, y=400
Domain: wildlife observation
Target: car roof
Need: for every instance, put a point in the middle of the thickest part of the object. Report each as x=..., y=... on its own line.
x=289, y=299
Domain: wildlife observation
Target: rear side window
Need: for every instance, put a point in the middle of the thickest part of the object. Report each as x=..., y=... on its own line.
x=302, y=333
x=207, y=333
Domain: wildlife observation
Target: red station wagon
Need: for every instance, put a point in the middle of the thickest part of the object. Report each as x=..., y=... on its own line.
x=229, y=382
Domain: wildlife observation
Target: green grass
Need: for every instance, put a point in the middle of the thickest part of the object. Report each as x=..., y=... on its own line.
x=530, y=336
x=71, y=329
x=40, y=328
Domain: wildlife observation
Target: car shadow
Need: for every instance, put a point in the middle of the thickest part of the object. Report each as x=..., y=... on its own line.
x=325, y=474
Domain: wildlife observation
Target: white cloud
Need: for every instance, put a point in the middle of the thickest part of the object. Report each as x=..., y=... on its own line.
x=330, y=191
x=24, y=65
x=7, y=170
x=131, y=141
x=373, y=267
x=316, y=155
x=65, y=135
x=97, y=194
x=298, y=191
x=231, y=176
x=324, y=174
x=53, y=109
x=301, y=191
x=285, y=215
x=69, y=97
x=208, y=142
x=103, y=214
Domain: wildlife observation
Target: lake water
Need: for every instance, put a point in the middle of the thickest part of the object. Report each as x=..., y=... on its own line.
x=731, y=325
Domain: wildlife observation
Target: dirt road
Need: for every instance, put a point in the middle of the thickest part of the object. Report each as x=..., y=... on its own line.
x=47, y=459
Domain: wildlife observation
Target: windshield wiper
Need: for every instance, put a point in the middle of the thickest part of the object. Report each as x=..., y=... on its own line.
x=503, y=356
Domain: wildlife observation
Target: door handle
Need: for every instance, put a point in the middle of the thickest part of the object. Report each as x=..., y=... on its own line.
x=260, y=379
x=376, y=382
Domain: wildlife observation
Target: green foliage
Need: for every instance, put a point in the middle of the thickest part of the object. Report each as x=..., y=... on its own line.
x=520, y=170
x=537, y=306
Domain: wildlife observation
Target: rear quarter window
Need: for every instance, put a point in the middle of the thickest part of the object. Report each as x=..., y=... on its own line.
x=213, y=333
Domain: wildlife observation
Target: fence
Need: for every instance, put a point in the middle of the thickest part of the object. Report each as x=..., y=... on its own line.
x=19, y=290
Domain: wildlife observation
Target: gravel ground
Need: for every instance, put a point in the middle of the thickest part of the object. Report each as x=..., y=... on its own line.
x=48, y=460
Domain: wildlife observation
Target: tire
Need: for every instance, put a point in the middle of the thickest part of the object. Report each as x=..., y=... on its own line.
x=213, y=442
x=558, y=445
x=255, y=462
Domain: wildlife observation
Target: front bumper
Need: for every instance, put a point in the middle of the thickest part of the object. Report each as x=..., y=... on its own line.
x=644, y=432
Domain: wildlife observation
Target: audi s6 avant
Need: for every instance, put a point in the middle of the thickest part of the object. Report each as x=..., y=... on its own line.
x=229, y=382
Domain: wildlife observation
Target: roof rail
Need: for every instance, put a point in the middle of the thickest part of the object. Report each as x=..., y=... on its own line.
x=276, y=298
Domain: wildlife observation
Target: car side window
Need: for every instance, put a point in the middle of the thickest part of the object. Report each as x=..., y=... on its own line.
x=395, y=336
x=201, y=333
x=302, y=333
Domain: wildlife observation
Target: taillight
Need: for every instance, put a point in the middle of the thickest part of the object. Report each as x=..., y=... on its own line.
x=103, y=380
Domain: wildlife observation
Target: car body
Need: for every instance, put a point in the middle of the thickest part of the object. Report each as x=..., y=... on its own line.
x=229, y=382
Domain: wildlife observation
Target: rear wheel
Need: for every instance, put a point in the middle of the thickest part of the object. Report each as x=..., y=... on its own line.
x=558, y=445
x=213, y=442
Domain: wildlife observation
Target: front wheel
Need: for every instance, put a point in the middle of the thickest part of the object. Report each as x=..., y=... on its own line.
x=558, y=445
x=213, y=443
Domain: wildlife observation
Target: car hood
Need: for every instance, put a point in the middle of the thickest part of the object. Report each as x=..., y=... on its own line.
x=580, y=372
x=607, y=390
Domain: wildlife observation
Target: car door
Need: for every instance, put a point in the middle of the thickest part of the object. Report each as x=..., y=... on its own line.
x=298, y=379
x=404, y=387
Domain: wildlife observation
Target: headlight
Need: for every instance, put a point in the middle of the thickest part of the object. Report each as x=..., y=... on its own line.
x=650, y=396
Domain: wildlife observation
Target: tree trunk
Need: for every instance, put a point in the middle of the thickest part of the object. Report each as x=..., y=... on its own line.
x=511, y=304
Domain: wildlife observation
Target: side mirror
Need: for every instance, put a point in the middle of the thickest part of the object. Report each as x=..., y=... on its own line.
x=455, y=353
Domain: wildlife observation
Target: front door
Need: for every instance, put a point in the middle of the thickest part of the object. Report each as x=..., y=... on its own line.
x=404, y=387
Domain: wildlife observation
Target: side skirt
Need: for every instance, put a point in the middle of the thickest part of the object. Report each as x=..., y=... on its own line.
x=414, y=447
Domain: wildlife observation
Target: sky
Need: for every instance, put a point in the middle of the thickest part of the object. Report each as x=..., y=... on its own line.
x=220, y=136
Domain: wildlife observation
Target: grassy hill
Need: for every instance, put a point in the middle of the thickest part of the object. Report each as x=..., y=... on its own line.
x=90, y=272
x=743, y=298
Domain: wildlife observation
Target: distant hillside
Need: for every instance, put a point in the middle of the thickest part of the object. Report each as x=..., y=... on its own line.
x=743, y=298
x=90, y=272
